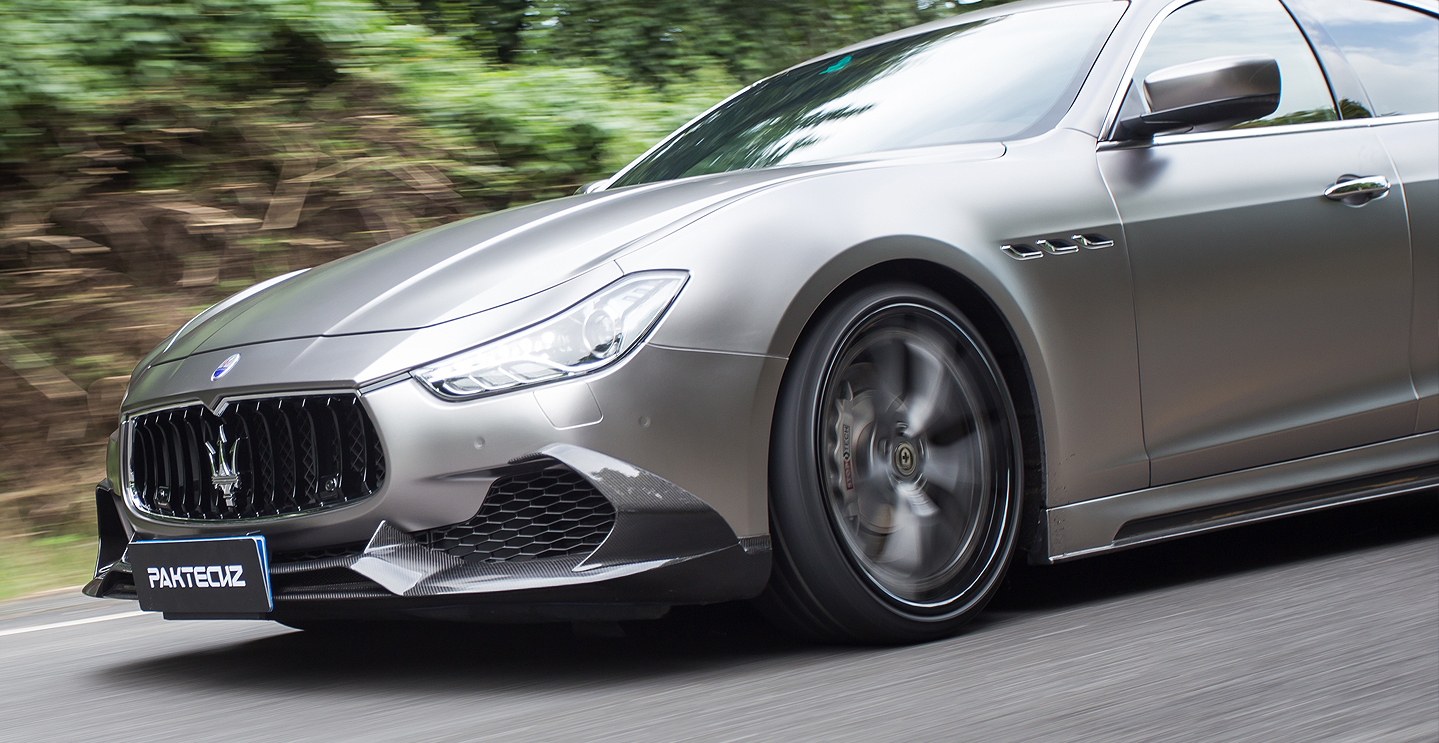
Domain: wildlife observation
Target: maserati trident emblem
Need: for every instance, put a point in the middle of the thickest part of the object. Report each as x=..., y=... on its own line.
x=225, y=367
x=222, y=466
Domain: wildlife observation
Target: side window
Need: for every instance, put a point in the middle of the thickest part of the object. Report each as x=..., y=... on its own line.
x=1395, y=51
x=1217, y=28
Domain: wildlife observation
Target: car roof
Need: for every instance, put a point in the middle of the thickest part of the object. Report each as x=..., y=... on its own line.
x=995, y=11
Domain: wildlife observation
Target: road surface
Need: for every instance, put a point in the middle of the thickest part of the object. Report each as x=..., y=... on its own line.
x=1318, y=628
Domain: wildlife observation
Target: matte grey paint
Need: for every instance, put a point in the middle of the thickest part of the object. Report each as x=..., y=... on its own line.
x=1208, y=80
x=765, y=248
x=927, y=209
x=1265, y=332
x=1413, y=143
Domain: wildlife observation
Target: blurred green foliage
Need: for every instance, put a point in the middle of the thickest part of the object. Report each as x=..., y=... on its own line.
x=74, y=70
x=30, y=565
x=661, y=40
x=157, y=155
x=526, y=97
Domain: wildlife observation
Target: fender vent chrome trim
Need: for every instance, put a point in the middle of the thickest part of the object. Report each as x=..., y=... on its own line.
x=1093, y=240
x=1022, y=251
x=1056, y=246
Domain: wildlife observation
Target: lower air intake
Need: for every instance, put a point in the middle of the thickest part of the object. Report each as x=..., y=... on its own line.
x=546, y=512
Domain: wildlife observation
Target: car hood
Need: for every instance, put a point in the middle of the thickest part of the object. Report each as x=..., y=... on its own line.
x=467, y=267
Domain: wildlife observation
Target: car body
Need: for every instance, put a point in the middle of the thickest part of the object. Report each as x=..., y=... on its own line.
x=1178, y=330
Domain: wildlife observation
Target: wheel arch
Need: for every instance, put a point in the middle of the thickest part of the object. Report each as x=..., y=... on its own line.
x=851, y=271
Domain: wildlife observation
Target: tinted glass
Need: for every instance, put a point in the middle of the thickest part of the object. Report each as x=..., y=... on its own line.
x=1217, y=28
x=1395, y=51
x=981, y=81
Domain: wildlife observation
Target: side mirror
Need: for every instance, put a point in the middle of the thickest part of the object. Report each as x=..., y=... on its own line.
x=1218, y=90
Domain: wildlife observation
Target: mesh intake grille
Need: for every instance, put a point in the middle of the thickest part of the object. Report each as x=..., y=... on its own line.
x=276, y=456
x=550, y=512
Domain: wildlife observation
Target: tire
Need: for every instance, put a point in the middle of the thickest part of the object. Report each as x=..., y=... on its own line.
x=895, y=473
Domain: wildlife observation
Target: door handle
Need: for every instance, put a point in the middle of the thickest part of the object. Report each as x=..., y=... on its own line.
x=1357, y=190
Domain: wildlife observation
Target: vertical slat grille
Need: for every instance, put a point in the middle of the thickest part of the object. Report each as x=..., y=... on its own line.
x=286, y=454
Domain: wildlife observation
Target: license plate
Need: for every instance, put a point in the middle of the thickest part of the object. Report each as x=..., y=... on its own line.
x=202, y=578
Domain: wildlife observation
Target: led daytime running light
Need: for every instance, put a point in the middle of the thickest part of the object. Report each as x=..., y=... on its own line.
x=589, y=336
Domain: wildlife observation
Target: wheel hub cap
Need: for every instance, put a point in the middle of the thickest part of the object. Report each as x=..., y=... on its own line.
x=906, y=459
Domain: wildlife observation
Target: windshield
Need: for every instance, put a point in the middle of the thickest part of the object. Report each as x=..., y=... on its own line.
x=994, y=79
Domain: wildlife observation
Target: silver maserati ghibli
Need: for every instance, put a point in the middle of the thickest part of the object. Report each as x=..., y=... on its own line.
x=1053, y=277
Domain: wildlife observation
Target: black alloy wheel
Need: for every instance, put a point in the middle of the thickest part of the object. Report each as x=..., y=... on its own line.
x=895, y=473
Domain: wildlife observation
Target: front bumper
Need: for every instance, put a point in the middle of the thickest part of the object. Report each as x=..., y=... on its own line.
x=696, y=418
x=684, y=441
x=664, y=547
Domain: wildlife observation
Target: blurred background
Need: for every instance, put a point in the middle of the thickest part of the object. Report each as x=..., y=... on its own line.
x=157, y=156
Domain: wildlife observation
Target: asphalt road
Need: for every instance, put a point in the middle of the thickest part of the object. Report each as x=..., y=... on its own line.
x=1318, y=628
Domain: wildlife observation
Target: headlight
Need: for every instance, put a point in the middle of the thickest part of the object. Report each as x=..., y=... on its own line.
x=589, y=336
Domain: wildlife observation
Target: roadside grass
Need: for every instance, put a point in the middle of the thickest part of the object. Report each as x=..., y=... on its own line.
x=29, y=565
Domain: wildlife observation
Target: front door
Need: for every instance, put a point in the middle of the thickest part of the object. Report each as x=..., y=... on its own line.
x=1273, y=323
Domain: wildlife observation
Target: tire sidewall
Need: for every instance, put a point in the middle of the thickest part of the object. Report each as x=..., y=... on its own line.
x=852, y=605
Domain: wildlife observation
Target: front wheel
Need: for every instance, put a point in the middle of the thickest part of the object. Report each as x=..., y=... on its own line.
x=894, y=473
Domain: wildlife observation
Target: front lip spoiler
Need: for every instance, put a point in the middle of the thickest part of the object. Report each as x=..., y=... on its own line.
x=658, y=526
x=657, y=523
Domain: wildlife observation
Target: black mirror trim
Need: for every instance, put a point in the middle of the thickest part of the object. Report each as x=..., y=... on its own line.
x=1178, y=120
